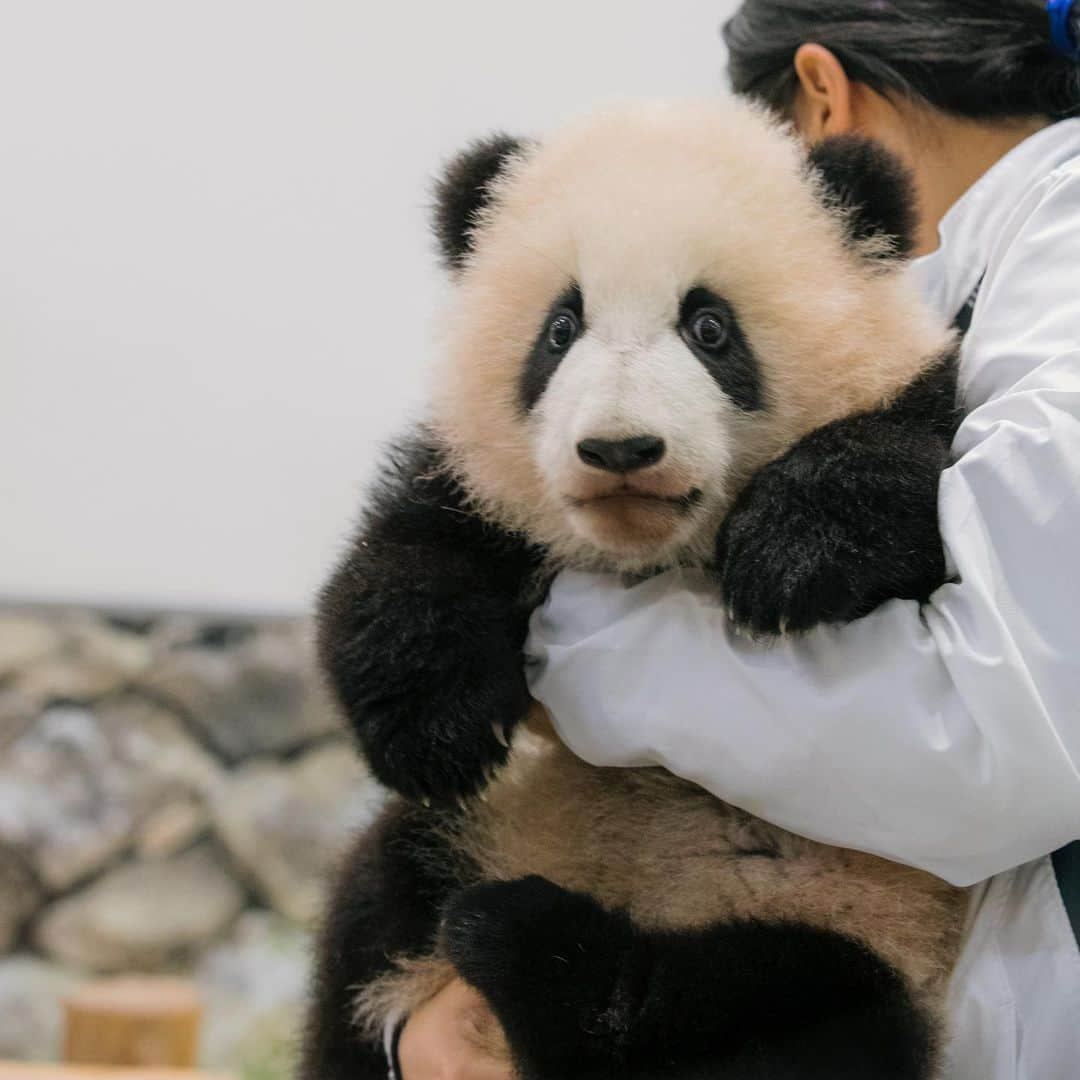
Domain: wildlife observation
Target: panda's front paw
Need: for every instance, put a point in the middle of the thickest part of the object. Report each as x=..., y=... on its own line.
x=443, y=743
x=825, y=537
x=780, y=576
x=433, y=685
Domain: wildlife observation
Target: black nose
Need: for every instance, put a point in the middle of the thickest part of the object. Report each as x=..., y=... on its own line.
x=621, y=455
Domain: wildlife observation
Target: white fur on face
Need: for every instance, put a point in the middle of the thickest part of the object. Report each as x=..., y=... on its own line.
x=629, y=377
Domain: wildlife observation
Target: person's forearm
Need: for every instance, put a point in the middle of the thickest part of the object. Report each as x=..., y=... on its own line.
x=885, y=761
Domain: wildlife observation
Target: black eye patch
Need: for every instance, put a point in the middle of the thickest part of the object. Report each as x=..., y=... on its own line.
x=708, y=325
x=563, y=325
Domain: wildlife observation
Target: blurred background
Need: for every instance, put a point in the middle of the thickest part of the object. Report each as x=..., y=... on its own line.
x=217, y=293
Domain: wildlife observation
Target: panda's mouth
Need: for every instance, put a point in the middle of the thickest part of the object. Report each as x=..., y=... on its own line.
x=631, y=495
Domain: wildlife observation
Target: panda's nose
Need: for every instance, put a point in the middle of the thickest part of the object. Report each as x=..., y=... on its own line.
x=621, y=455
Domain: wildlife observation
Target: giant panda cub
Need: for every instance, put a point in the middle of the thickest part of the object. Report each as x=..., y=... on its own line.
x=674, y=338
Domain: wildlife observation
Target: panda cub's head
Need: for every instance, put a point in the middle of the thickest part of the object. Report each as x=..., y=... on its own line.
x=651, y=304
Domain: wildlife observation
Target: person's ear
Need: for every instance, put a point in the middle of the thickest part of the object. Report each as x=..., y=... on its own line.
x=823, y=100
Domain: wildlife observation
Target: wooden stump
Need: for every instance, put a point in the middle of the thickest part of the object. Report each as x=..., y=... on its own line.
x=133, y=1020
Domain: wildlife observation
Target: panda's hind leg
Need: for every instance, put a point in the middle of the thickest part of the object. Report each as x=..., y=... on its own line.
x=384, y=906
x=758, y=1000
x=583, y=993
x=550, y=963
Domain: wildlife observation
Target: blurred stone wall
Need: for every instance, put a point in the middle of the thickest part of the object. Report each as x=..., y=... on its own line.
x=173, y=792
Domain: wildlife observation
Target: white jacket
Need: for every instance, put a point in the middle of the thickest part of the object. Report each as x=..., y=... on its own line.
x=947, y=736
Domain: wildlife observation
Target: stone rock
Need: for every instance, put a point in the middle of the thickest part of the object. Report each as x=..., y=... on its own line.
x=62, y=679
x=153, y=744
x=19, y=896
x=170, y=828
x=61, y=803
x=76, y=783
x=17, y=713
x=255, y=985
x=25, y=639
x=108, y=643
x=200, y=632
x=248, y=693
x=32, y=991
x=143, y=916
x=89, y=659
x=285, y=823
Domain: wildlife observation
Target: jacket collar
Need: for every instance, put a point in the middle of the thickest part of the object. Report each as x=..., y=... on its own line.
x=976, y=221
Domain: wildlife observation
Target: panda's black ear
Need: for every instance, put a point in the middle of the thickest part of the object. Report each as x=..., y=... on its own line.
x=464, y=189
x=874, y=189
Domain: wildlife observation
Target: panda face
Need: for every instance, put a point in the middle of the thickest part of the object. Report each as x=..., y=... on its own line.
x=656, y=301
x=639, y=417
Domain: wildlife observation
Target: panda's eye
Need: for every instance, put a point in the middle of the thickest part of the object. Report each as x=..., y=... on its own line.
x=561, y=331
x=709, y=330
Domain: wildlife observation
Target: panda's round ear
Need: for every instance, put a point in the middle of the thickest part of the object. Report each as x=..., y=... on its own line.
x=874, y=191
x=464, y=190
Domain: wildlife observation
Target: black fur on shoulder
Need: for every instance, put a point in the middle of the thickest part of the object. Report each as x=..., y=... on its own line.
x=582, y=993
x=420, y=631
x=385, y=903
x=847, y=518
x=875, y=190
x=464, y=189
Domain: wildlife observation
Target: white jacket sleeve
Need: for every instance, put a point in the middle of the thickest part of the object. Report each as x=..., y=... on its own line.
x=946, y=737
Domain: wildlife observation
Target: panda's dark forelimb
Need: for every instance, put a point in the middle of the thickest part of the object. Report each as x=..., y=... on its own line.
x=385, y=903
x=581, y=992
x=421, y=628
x=846, y=519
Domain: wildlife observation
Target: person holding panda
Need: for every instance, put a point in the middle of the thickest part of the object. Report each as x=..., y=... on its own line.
x=945, y=736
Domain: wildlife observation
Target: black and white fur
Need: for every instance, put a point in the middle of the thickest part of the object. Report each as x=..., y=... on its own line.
x=622, y=923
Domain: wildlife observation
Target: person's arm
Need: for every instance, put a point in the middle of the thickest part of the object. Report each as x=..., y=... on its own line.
x=946, y=736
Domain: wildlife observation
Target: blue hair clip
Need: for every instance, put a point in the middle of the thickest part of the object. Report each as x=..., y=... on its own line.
x=1061, y=31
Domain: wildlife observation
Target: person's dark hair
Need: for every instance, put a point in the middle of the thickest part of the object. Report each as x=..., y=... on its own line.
x=975, y=58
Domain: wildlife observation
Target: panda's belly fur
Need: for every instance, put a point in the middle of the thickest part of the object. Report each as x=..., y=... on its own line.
x=675, y=857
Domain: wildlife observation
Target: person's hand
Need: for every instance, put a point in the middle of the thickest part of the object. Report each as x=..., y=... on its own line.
x=454, y=1036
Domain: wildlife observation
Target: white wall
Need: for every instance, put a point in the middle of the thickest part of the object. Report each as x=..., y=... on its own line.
x=216, y=282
